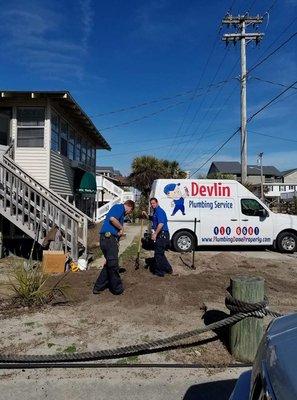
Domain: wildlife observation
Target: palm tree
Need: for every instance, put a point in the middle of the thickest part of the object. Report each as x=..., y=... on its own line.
x=146, y=169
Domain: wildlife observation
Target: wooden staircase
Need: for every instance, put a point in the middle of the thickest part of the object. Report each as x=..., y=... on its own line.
x=34, y=208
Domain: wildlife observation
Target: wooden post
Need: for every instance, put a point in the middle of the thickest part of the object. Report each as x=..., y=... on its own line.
x=245, y=335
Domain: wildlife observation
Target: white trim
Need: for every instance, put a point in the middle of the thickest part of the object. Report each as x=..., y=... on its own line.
x=47, y=140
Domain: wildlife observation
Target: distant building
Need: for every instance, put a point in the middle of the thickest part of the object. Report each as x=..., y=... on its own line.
x=287, y=190
x=270, y=173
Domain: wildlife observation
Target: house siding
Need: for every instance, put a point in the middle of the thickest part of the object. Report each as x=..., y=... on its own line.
x=291, y=178
x=61, y=174
x=34, y=161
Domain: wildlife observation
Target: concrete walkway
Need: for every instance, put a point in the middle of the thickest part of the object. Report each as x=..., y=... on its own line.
x=132, y=232
x=115, y=384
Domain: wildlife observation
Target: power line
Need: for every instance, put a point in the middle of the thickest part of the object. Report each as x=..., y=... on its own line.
x=248, y=120
x=271, y=54
x=158, y=111
x=216, y=152
x=270, y=102
x=251, y=5
x=272, y=82
x=274, y=137
x=149, y=149
x=203, y=100
x=198, y=84
x=144, y=104
x=271, y=7
x=212, y=121
x=160, y=138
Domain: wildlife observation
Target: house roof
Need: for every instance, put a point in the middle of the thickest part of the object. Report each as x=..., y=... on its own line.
x=288, y=171
x=234, y=167
x=227, y=167
x=67, y=102
x=109, y=169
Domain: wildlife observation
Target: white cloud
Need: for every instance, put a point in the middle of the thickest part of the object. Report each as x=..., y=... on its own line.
x=34, y=37
x=87, y=20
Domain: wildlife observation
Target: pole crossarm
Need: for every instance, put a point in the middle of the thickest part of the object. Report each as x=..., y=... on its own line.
x=232, y=37
x=230, y=20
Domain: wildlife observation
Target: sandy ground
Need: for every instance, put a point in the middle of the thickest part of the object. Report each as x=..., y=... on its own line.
x=150, y=308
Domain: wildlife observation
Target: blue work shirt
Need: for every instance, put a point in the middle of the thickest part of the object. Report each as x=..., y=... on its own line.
x=117, y=211
x=159, y=217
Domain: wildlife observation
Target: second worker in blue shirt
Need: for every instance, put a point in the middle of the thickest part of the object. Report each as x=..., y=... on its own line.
x=160, y=236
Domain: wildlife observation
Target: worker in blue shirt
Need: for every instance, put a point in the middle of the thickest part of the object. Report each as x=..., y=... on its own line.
x=110, y=234
x=160, y=235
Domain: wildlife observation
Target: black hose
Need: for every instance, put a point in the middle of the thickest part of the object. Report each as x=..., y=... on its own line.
x=114, y=365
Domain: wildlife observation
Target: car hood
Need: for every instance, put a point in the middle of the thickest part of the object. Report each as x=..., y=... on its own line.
x=281, y=356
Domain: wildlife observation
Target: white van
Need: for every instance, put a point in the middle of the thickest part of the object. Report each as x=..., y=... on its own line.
x=206, y=212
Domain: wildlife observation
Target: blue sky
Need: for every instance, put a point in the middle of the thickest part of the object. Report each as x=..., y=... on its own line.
x=112, y=55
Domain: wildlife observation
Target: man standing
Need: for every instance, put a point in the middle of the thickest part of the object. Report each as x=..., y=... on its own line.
x=160, y=236
x=110, y=233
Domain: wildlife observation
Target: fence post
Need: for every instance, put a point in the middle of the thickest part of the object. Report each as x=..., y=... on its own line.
x=246, y=335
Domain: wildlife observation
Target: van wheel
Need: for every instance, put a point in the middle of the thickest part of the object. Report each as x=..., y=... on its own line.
x=287, y=242
x=183, y=241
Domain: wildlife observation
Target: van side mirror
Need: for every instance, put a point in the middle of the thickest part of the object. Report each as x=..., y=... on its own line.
x=263, y=213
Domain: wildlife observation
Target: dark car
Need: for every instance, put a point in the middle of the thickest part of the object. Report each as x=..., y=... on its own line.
x=273, y=376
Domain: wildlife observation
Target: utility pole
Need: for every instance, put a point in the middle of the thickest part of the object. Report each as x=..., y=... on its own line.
x=242, y=22
x=260, y=161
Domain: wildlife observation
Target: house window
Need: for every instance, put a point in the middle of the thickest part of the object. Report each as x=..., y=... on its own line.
x=291, y=188
x=89, y=156
x=71, y=143
x=55, y=125
x=282, y=188
x=93, y=157
x=83, y=155
x=30, y=126
x=5, y=117
x=77, y=149
x=64, y=138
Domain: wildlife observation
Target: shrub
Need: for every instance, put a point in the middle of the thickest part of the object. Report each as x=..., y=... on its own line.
x=27, y=285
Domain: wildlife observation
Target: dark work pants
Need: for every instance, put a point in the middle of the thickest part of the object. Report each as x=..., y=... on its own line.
x=162, y=265
x=109, y=277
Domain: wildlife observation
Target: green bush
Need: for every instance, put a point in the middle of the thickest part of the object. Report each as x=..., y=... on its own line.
x=27, y=285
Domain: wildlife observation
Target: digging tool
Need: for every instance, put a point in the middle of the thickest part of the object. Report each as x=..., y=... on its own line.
x=139, y=245
x=28, y=264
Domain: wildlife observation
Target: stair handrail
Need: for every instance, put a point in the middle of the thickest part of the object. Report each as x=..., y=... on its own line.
x=109, y=185
x=40, y=193
x=48, y=191
x=106, y=207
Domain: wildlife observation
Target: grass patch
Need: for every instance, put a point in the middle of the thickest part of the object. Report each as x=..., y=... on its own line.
x=70, y=349
x=130, y=252
x=32, y=323
x=96, y=252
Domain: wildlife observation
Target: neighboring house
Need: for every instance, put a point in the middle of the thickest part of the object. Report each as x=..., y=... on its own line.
x=290, y=176
x=109, y=172
x=51, y=160
x=287, y=190
x=270, y=173
x=276, y=184
x=112, y=188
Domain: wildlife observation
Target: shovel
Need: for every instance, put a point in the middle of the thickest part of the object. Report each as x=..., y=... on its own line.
x=139, y=246
x=28, y=264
